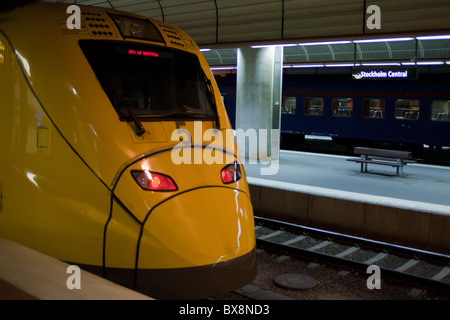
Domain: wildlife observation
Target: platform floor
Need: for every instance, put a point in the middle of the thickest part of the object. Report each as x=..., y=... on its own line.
x=422, y=183
x=26, y=274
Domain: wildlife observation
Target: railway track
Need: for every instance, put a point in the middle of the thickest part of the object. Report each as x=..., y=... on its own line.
x=420, y=269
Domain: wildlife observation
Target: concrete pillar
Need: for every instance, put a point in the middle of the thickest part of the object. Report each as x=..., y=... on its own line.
x=258, y=101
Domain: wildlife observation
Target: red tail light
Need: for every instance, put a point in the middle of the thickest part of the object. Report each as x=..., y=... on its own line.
x=231, y=173
x=153, y=181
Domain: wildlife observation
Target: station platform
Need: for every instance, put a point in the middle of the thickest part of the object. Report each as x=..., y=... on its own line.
x=26, y=274
x=326, y=191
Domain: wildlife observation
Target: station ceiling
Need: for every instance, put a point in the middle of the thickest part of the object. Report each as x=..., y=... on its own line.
x=222, y=26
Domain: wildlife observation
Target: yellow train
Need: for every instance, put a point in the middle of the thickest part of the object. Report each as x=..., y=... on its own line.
x=112, y=134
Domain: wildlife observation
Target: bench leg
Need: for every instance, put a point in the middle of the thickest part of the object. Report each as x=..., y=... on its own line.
x=400, y=168
x=363, y=164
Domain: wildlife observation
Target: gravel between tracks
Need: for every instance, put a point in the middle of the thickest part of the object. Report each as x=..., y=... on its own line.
x=333, y=283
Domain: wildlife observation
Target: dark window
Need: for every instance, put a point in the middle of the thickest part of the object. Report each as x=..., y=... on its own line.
x=342, y=107
x=407, y=109
x=314, y=106
x=289, y=105
x=440, y=110
x=373, y=108
x=151, y=83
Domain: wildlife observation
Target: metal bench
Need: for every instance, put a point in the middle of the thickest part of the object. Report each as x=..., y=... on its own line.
x=393, y=158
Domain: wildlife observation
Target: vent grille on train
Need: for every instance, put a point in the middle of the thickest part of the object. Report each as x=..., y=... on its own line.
x=97, y=25
x=172, y=35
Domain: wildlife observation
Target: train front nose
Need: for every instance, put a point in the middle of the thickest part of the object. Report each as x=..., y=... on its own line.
x=197, y=244
x=196, y=241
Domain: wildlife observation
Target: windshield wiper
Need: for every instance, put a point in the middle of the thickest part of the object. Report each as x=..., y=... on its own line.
x=125, y=112
x=128, y=116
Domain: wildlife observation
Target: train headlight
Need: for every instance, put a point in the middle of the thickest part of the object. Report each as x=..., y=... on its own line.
x=153, y=181
x=137, y=29
x=231, y=173
x=131, y=27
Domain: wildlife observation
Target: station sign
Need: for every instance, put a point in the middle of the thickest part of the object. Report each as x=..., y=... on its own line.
x=384, y=73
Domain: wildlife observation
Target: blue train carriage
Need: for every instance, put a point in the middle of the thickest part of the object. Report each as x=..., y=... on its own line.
x=395, y=113
x=405, y=114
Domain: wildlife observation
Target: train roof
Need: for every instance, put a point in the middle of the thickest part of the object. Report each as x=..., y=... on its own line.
x=95, y=23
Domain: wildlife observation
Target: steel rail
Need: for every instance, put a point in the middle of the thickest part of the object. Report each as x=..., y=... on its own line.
x=363, y=244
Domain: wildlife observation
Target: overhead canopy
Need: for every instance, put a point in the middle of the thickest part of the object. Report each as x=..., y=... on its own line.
x=406, y=52
x=224, y=25
x=232, y=21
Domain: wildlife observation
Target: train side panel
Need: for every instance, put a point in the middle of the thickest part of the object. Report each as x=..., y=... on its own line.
x=50, y=200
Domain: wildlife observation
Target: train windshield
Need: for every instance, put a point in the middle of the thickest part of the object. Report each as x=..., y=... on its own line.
x=151, y=83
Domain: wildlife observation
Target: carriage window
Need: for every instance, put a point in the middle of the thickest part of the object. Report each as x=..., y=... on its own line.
x=407, y=109
x=314, y=106
x=289, y=105
x=373, y=108
x=440, y=110
x=342, y=107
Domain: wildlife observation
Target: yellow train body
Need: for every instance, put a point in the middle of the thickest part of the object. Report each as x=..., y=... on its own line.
x=66, y=170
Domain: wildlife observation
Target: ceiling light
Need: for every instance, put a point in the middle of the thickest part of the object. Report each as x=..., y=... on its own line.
x=274, y=45
x=382, y=40
x=381, y=64
x=342, y=65
x=436, y=37
x=429, y=63
x=324, y=43
x=308, y=65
